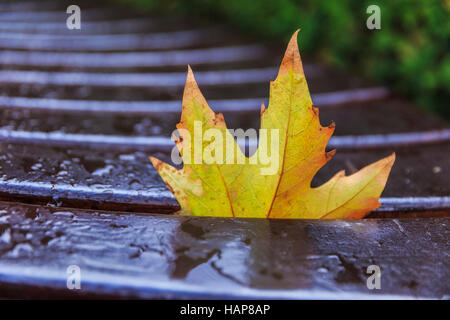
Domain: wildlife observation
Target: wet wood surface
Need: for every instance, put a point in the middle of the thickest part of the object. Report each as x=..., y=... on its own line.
x=81, y=111
x=161, y=256
x=127, y=180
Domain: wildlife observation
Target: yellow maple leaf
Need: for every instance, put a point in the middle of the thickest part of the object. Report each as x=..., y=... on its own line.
x=211, y=183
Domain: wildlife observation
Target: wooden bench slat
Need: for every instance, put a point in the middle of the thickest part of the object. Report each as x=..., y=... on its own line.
x=128, y=182
x=325, y=99
x=123, y=255
x=89, y=14
x=115, y=42
x=119, y=26
x=217, y=81
x=81, y=111
x=137, y=118
x=28, y=6
x=134, y=59
x=163, y=143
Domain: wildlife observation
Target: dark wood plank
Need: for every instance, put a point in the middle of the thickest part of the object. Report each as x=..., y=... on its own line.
x=377, y=117
x=12, y=6
x=123, y=255
x=114, y=42
x=83, y=178
x=126, y=180
x=216, y=82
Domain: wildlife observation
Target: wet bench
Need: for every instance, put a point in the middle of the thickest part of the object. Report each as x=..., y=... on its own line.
x=81, y=112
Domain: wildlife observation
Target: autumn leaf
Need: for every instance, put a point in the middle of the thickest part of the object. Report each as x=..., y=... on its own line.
x=251, y=187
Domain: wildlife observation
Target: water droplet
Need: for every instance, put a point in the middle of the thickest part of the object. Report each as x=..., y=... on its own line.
x=6, y=236
x=102, y=171
x=63, y=213
x=127, y=157
x=36, y=166
x=22, y=248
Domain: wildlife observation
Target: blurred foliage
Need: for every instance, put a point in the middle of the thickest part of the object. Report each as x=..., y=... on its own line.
x=410, y=53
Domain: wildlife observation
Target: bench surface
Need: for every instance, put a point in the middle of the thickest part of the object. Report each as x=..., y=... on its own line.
x=81, y=111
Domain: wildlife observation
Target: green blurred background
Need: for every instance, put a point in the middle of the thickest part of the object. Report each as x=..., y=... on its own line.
x=409, y=54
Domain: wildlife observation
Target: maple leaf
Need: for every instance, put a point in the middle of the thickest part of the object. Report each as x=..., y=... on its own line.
x=226, y=189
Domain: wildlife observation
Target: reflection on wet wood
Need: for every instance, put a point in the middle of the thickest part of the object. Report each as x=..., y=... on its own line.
x=160, y=256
